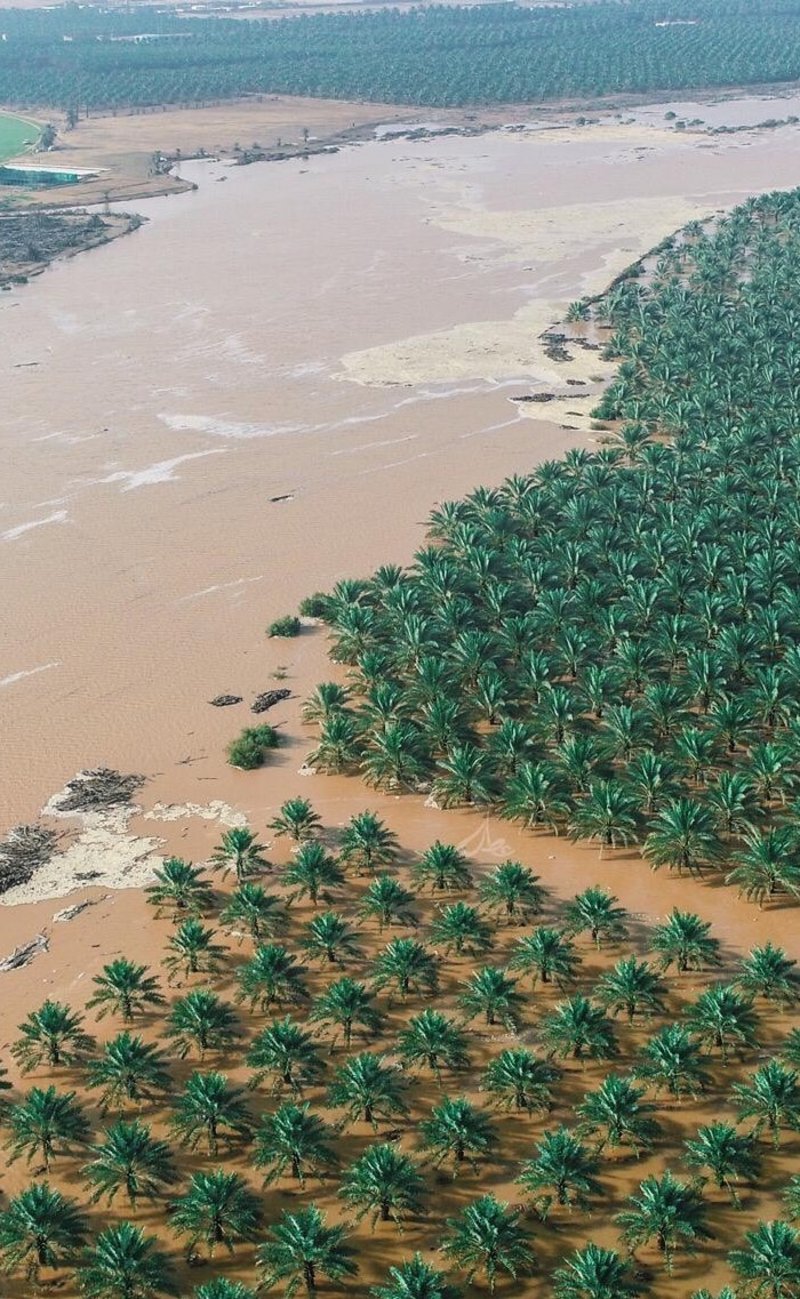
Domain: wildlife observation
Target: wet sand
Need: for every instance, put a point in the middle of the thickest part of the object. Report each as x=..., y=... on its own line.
x=347, y=334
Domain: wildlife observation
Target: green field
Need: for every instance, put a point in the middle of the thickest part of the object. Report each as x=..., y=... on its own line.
x=15, y=134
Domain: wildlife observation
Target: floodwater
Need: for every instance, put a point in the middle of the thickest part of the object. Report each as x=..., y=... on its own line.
x=263, y=390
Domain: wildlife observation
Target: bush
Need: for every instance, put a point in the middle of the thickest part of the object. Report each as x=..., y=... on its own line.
x=288, y=626
x=316, y=605
x=249, y=750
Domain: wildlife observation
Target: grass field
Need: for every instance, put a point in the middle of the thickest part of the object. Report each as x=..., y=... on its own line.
x=15, y=134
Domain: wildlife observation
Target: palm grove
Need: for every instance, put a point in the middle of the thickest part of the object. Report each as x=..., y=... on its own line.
x=81, y=57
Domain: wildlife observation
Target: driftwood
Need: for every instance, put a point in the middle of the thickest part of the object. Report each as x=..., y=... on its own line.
x=268, y=699
x=26, y=849
x=225, y=701
x=25, y=953
x=100, y=787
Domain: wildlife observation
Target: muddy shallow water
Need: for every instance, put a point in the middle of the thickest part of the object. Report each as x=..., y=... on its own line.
x=264, y=390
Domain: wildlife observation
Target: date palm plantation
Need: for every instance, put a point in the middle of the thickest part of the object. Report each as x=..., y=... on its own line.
x=436, y=1073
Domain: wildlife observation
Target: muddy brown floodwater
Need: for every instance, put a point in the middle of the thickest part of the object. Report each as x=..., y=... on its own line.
x=262, y=391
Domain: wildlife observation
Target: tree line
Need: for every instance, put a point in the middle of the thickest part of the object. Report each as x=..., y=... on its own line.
x=83, y=57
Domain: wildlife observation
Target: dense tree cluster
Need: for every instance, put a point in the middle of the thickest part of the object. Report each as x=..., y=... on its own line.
x=295, y=1047
x=75, y=56
x=610, y=644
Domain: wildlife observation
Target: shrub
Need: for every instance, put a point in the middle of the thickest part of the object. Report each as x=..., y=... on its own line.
x=288, y=626
x=249, y=750
x=316, y=605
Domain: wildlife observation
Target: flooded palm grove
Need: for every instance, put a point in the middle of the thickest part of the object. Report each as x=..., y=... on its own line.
x=263, y=390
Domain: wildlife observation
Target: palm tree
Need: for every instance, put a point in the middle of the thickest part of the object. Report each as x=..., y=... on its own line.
x=201, y=1021
x=460, y=928
x=487, y=1237
x=262, y=914
x=219, y=1209
x=546, y=954
x=606, y=814
x=271, y=977
x=41, y=1228
x=129, y=1157
x=327, y=699
x=347, y=1004
x=632, y=986
x=181, y=889
x=729, y=1156
x=415, y=1279
x=387, y=902
x=765, y=868
x=535, y=795
x=514, y=890
x=455, y=1129
x=294, y=1140
x=771, y=1097
x=219, y=1287
x=239, y=851
x=594, y=1273
x=52, y=1036
x=578, y=1029
x=491, y=993
x=287, y=1053
x=441, y=868
x=211, y=1110
x=301, y=1248
x=684, y=940
x=563, y=1171
x=385, y=1183
x=366, y=1088
x=671, y=1059
x=617, y=1113
x=769, y=1263
x=296, y=819
x=722, y=1020
x=408, y=965
x=44, y=1124
x=732, y=804
x=128, y=1070
x=124, y=988
x=330, y=939
x=311, y=872
x=517, y=1079
x=595, y=912
x=769, y=973
x=432, y=1040
x=665, y=1210
x=338, y=746
x=367, y=842
x=124, y=1263
x=682, y=837
x=191, y=950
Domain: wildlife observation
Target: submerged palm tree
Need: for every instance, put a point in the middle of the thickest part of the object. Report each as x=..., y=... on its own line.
x=385, y=1184
x=209, y=1110
x=271, y=977
x=487, y=1237
x=387, y=902
x=684, y=940
x=578, y=1029
x=348, y=1005
x=433, y=1041
x=667, y=1211
x=124, y=1262
x=366, y=1088
x=671, y=1059
x=192, y=950
x=129, y=1069
x=462, y=930
x=769, y=1262
x=181, y=889
x=514, y=891
x=516, y=1078
x=52, y=1036
x=595, y=911
x=617, y=1113
x=44, y=1124
x=130, y=1159
x=288, y=1054
x=723, y=1021
x=293, y=1140
x=301, y=1248
x=728, y=1155
x=41, y=1228
x=546, y=954
x=415, y=1279
x=124, y=988
x=201, y=1021
x=408, y=966
x=239, y=851
x=594, y=1273
x=491, y=993
x=769, y=973
x=367, y=842
x=311, y=873
x=441, y=868
x=632, y=986
x=217, y=1209
x=563, y=1172
x=296, y=819
x=262, y=914
x=771, y=1097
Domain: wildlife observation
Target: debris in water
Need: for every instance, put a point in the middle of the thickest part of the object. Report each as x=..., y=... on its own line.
x=26, y=849
x=268, y=699
x=25, y=953
x=225, y=701
x=97, y=788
